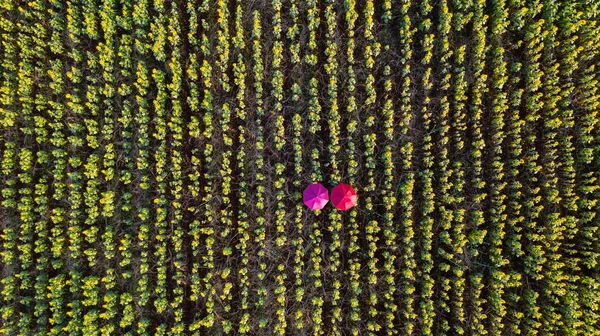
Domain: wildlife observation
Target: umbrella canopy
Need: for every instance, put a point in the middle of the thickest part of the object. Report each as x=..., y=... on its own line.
x=315, y=196
x=343, y=196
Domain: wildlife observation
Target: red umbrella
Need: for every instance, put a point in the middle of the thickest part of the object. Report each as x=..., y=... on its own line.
x=315, y=196
x=343, y=196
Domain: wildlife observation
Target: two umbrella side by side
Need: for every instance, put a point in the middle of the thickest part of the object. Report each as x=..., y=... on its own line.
x=316, y=196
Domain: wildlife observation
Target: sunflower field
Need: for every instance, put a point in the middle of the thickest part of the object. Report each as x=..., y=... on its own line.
x=153, y=155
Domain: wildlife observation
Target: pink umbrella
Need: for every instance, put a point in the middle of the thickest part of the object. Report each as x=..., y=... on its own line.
x=315, y=196
x=343, y=196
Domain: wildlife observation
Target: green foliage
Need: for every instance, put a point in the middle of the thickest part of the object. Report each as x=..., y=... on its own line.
x=154, y=154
